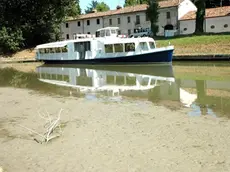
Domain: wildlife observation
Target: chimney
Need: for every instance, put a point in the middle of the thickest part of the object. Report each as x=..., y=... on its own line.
x=94, y=10
x=119, y=7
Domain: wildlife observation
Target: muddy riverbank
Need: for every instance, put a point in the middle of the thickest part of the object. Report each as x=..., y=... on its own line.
x=109, y=136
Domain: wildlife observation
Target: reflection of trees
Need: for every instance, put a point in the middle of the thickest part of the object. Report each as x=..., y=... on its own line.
x=201, y=95
x=154, y=94
x=218, y=103
x=10, y=77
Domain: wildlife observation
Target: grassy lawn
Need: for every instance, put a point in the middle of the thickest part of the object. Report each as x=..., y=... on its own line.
x=198, y=45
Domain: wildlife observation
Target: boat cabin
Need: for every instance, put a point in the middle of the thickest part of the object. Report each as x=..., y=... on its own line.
x=95, y=47
x=107, y=32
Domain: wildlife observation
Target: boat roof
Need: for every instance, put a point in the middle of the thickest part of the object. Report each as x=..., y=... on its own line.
x=106, y=28
x=61, y=43
x=127, y=40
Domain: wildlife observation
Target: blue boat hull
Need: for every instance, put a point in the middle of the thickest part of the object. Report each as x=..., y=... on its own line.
x=154, y=57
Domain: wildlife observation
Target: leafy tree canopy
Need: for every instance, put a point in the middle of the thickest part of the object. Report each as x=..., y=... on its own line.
x=153, y=13
x=26, y=23
x=95, y=5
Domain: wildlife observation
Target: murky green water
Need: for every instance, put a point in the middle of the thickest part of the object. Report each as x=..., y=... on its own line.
x=204, y=88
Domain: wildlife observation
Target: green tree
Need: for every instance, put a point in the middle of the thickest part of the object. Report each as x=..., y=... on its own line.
x=101, y=6
x=130, y=3
x=153, y=13
x=93, y=4
x=134, y=2
x=33, y=21
x=10, y=40
x=200, y=15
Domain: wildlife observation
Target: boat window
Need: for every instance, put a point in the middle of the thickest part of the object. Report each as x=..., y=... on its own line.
x=107, y=32
x=118, y=48
x=52, y=50
x=113, y=31
x=130, y=80
x=47, y=50
x=152, y=45
x=144, y=46
x=110, y=79
x=102, y=33
x=82, y=46
x=109, y=48
x=64, y=49
x=129, y=47
x=42, y=51
x=58, y=50
x=97, y=34
x=120, y=80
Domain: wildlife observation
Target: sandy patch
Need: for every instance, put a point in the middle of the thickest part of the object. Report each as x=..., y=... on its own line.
x=124, y=137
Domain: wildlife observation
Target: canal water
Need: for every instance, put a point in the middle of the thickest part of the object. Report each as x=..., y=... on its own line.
x=202, y=88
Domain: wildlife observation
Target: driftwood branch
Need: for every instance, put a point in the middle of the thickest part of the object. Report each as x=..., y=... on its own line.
x=50, y=126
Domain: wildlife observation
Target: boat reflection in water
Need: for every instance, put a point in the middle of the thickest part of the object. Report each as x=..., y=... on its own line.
x=154, y=83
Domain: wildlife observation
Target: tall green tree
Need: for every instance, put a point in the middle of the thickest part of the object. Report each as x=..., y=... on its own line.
x=200, y=15
x=27, y=23
x=91, y=7
x=95, y=5
x=101, y=6
x=134, y=2
x=153, y=14
x=130, y=3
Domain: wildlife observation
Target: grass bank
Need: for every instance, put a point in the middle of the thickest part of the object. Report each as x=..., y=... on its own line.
x=198, y=45
x=186, y=45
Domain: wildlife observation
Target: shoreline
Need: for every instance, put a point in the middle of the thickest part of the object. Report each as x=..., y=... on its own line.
x=197, y=57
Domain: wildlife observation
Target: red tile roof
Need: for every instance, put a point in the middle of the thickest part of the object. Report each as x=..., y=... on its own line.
x=130, y=9
x=210, y=12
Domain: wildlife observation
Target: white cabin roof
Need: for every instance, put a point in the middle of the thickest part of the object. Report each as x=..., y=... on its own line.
x=54, y=44
x=106, y=28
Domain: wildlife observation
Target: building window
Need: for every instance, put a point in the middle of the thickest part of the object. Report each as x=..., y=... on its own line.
x=147, y=17
x=67, y=36
x=79, y=23
x=226, y=25
x=88, y=32
x=137, y=19
x=67, y=25
x=119, y=32
x=88, y=22
x=129, y=32
x=168, y=15
x=212, y=27
x=98, y=21
x=118, y=21
x=128, y=19
x=185, y=29
x=110, y=22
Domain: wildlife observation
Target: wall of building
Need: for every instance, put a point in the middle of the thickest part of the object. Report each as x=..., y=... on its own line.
x=163, y=21
x=218, y=24
x=187, y=27
x=124, y=26
x=185, y=7
x=211, y=25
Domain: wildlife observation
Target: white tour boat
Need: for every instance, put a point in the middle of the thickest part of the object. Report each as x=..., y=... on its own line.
x=105, y=47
